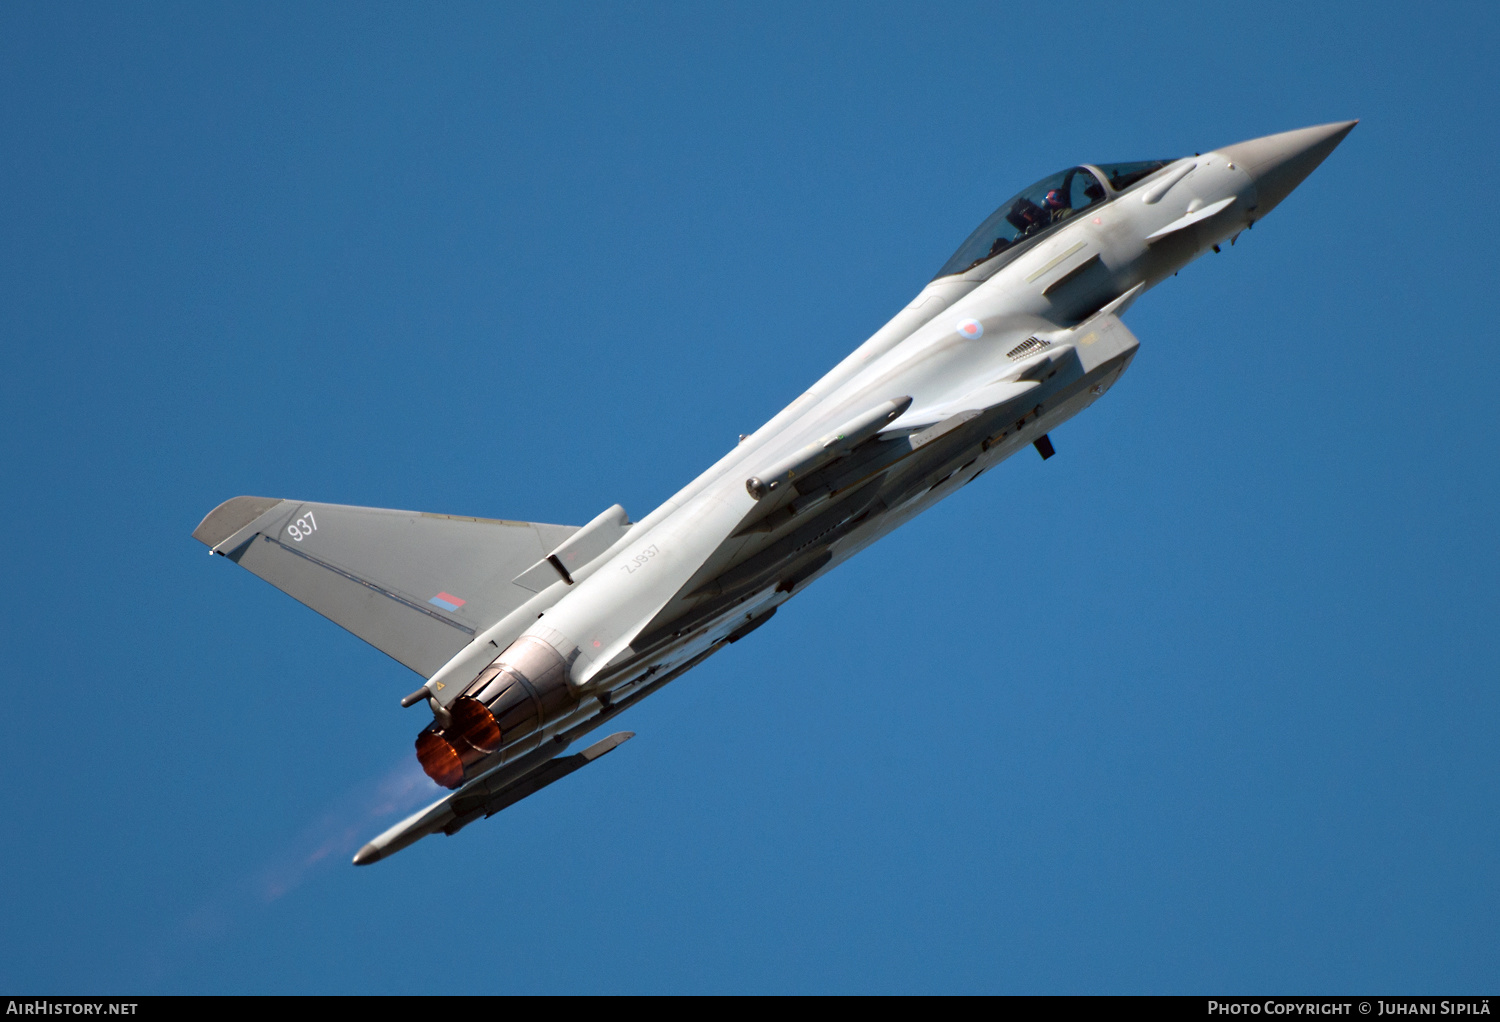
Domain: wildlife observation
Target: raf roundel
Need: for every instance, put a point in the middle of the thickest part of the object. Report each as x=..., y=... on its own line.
x=970, y=328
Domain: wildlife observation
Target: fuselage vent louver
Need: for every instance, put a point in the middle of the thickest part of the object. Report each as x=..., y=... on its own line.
x=1027, y=347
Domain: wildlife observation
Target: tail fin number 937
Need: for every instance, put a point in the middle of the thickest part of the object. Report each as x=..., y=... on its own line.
x=302, y=527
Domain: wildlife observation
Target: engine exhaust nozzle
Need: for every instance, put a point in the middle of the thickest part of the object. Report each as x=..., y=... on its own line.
x=523, y=690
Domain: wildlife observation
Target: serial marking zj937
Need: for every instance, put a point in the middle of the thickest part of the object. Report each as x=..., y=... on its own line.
x=531, y=635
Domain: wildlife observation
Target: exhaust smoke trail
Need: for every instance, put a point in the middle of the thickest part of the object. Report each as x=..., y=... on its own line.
x=342, y=828
x=328, y=841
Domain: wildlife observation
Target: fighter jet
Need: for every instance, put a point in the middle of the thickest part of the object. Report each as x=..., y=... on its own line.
x=530, y=636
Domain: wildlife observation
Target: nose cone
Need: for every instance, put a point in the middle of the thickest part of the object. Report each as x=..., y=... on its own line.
x=1279, y=163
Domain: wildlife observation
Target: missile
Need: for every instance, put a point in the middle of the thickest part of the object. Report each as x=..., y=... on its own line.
x=827, y=448
x=454, y=813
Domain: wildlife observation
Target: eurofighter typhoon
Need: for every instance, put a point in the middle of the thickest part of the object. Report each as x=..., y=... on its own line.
x=531, y=636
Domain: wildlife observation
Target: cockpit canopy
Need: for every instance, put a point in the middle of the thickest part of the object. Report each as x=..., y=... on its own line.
x=1048, y=202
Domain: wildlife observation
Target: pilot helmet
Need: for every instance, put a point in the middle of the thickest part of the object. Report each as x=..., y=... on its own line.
x=1055, y=199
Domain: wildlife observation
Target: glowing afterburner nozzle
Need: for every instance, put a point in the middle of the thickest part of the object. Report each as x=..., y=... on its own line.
x=522, y=691
x=439, y=759
x=475, y=724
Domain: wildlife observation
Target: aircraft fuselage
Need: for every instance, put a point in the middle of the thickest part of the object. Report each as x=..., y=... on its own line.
x=985, y=361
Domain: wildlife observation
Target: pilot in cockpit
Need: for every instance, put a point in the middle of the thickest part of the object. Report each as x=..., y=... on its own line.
x=1057, y=206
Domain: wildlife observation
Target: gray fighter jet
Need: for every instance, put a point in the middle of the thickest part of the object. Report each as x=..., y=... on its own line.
x=531, y=636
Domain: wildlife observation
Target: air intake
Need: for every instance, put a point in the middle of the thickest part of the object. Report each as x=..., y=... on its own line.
x=1027, y=347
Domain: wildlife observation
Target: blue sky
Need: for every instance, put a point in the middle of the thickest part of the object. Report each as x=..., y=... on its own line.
x=1208, y=702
